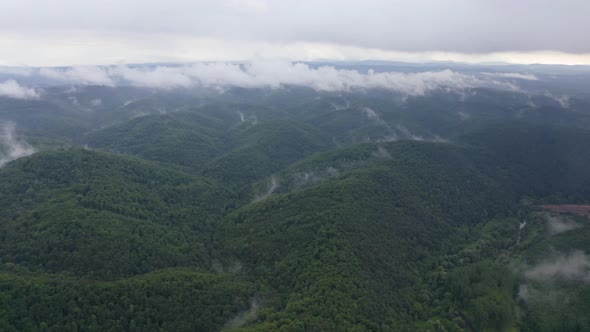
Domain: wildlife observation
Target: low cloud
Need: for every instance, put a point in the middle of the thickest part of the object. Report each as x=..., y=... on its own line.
x=12, y=89
x=79, y=75
x=244, y=317
x=273, y=74
x=520, y=76
x=153, y=77
x=381, y=153
x=273, y=185
x=575, y=266
x=560, y=224
x=302, y=179
x=12, y=147
x=564, y=101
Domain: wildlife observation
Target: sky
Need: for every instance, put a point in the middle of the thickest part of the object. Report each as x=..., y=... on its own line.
x=91, y=32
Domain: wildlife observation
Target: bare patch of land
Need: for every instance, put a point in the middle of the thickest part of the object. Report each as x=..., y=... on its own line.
x=580, y=210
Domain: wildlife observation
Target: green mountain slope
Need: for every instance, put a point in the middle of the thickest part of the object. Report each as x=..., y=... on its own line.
x=345, y=253
x=104, y=216
x=403, y=235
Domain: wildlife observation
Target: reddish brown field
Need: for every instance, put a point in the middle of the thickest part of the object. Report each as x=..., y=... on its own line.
x=581, y=210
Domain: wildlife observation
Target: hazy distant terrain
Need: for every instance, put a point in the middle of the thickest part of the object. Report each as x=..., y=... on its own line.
x=320, y=196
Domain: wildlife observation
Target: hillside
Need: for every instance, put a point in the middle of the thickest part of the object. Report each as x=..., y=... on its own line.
x=104, y=216
x=295, y=210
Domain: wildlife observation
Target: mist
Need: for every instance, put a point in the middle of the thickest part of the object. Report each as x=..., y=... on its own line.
x=573, y=266
x=12, y=147
x=273, y=185
x=560, y=224
x=243, y=317
x=11, y=89
x=273, y=74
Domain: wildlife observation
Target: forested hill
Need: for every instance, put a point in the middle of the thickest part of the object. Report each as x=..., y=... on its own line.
x=292, y=210
x=346, y=241
x=104, y=216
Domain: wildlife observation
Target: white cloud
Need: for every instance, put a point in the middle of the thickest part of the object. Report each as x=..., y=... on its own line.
x=11, y=147
x=560, y=224
x=575, y=266
x=272, y=74
x=80, y=75
x=12, y=89
x=75, y=47
x=422, y=25
x=520, y=76
x=69, y=32
x=159, y=77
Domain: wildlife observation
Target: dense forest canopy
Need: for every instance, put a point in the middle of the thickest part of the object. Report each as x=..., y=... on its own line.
x=293, y=208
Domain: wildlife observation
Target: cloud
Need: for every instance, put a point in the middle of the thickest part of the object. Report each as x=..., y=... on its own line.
x=11, y=147
x=274, y=185
x=560, y=224
x=158, y=77
x=244, y=317
x=575, y=266
x=381, y=153
x=271, y=74
x=520, y=76
x=564, y=101
x=12, y=89
x=79, y=75
x=422, y=25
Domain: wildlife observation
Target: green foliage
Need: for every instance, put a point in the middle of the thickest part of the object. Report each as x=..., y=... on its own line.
x=104, y=216
x=402, y=235
x=357, y=243
x=484, y=291
x=169, y=300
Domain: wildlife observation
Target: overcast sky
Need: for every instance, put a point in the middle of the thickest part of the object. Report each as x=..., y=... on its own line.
x=74, y=32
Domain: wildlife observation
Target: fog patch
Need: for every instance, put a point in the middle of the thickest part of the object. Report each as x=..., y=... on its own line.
x=564, y=101
x=391, y=137
x=302, y=179
x=530, y=102
x=251, y=119
x=560, y=224
x=374, y=116
x=11, y=89
x=73, y=100
x=521, y=226
x=381, y=153
x=463, y=116
x=370, y=113
x=12, y=147
x=96, y=102
x=405, y=133
x=272, y=186
x=340, y=107
x=128, y=102
x=573, y=266
x=244, y=317
x=230, y=267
